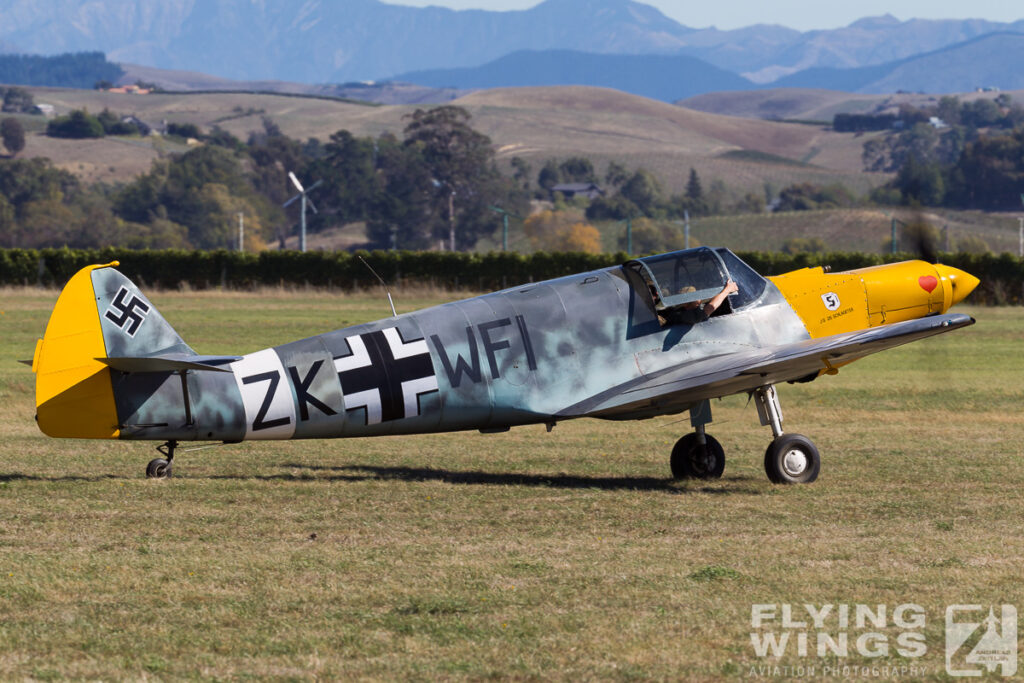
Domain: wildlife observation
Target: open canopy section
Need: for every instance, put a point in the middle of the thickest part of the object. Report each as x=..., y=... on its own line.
x=691, y=275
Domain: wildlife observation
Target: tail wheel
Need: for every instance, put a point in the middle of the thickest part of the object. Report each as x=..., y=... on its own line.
x=158, y=468
x=792, y=459
x=693, y=460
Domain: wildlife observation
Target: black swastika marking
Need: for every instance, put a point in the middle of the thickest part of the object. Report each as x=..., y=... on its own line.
x=130, y=313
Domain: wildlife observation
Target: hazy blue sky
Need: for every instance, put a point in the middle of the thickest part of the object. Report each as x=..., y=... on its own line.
x=798, y=14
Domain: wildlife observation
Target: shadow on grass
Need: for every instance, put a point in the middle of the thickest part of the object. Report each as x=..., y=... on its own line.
x=17, y=476
x=353, y=473
x=564, y=481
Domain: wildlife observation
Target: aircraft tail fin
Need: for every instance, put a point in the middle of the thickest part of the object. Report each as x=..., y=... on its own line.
x=99, y=315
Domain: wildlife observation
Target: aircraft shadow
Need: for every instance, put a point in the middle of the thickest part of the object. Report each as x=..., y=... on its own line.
x=564, y=481
x=17, y=476
x=356, y=473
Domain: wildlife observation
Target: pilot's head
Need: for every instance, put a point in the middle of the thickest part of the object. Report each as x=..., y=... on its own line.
x=686, y=290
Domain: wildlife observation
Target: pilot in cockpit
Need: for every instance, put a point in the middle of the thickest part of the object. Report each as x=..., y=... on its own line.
x=693, y=311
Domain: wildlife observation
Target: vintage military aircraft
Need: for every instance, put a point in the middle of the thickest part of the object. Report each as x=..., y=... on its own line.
x=611, y=344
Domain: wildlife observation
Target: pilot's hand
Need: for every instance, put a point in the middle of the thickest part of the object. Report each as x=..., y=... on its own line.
x=731, y=287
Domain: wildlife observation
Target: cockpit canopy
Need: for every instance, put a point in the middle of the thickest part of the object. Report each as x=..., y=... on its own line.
x=681, y=277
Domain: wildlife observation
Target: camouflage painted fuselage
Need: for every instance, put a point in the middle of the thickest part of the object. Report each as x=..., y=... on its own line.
x=531, y=354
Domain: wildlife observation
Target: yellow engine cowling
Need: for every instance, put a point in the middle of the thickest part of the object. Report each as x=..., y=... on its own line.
x=832, y=303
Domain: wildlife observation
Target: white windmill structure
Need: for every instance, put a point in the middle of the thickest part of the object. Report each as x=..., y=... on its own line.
x=304, y=202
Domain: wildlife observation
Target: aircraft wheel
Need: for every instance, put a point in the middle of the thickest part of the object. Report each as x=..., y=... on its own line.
x=692, y=461
x=792, y=459
x=158, y=468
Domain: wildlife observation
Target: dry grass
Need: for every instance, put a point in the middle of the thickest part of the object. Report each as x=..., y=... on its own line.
x=812, y=104
x=534, y=123
x=526, y=555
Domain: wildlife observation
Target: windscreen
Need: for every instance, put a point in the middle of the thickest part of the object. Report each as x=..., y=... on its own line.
x=751, y=284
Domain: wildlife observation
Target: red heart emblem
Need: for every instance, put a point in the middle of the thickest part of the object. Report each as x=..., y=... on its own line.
x=928, y=282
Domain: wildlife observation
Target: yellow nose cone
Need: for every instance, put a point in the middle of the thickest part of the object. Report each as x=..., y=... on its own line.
x=960, y=283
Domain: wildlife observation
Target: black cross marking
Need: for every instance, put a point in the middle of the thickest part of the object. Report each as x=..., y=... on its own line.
x=132, y=313
x=385, y=374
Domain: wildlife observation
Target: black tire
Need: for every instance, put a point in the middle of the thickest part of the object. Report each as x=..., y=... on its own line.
x=690, y=460
x=792, y=459
x=158, y=468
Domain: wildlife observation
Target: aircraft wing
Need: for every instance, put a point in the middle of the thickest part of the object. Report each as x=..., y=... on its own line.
x=676, y=388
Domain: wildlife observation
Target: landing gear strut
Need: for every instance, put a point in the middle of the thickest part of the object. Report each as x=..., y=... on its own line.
x=790, y=458
x=160, y=468
x=698, y=455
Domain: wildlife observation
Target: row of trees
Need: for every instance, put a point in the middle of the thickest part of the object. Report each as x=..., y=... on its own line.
x=409, y=191
x=958, y=154
x=16, y=100
x=436, y=182
x=69, y=70
x=940, y=133
x=988, y=174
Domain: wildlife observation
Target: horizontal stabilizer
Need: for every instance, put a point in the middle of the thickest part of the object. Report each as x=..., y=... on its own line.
x=172, y=362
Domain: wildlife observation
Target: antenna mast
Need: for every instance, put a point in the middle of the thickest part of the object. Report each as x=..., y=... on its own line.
x=385, y=285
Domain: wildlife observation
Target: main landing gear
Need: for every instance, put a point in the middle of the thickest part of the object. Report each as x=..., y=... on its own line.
x=789, y=459
x=160, y=468
x=698, y=455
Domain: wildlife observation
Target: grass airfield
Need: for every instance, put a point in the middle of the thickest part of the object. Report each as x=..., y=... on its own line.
x=525, y=555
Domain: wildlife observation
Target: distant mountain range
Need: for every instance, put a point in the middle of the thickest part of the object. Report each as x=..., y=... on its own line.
x=614, y=43
x=988, y=61
x=660, y=77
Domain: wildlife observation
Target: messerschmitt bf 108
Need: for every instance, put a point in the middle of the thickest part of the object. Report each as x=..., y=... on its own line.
x=658, y=335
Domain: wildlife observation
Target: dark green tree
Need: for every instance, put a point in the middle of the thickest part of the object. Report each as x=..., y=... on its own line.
x=616, y=174
x=462, y=171
x=78, y=124
x=549, y=176
x=577, y=170
x=348, y=171
x=521, y=171
x=614, y=208
x=403, y=206
x=184, y=130
x=643, y=190
x=12, y=134
x=694, y=191
x=920, y=182
x=989, y=173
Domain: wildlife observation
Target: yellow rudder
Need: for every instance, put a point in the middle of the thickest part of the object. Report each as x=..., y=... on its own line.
x=74, y=395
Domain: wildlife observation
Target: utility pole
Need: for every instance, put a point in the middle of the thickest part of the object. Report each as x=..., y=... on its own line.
x=628, y=220
x=241, y=231
x=1020, y=248
x=504, y=224
x=686, y=228
x=451, y=220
